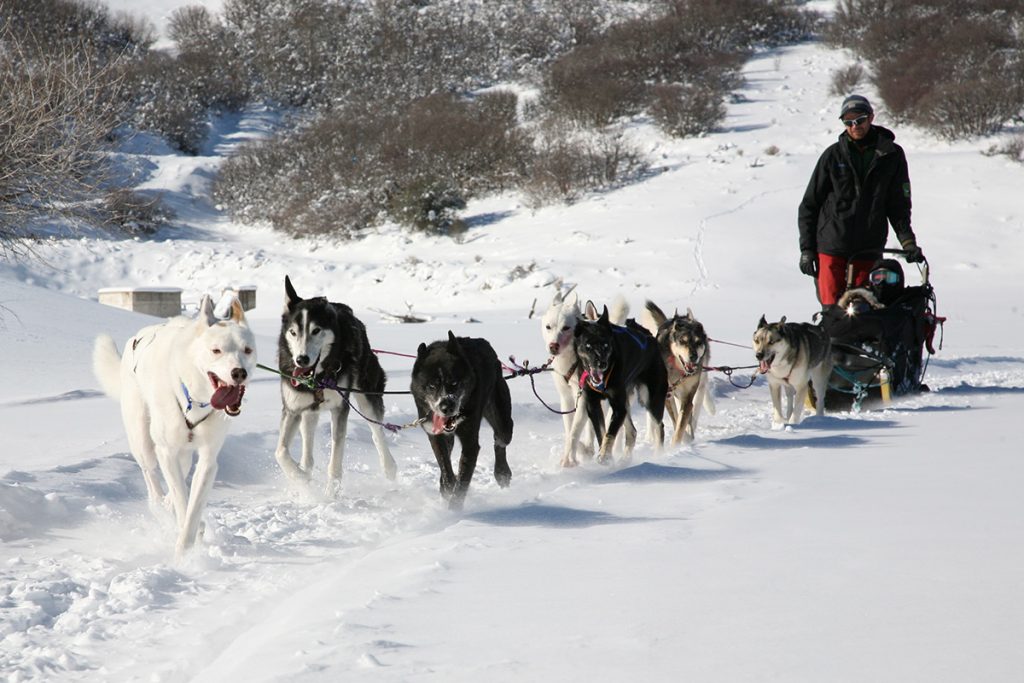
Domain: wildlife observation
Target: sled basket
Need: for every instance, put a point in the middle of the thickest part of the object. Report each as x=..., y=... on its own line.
x=879, y=352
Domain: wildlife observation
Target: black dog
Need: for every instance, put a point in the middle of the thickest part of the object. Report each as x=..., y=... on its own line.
x=324, y=342
x=614, y=362
x=456, y=384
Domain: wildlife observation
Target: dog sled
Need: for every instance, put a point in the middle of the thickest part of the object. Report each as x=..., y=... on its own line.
x=882, y=337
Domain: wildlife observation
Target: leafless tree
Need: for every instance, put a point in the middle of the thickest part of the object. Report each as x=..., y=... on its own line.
x=57, y=113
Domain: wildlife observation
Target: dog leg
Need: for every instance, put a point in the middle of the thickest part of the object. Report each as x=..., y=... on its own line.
x=469, y=444
x=202, y=483
x=442, y=447
x=572, y=437
x=499, y=416
x=673, y=414
x=307, y=428
x=684, y=427
x=778, y=419
x=289, y=425
x=567, y=399
x=619, y=415
x=374, y=407
x=629, y=438
x=177, y=492
x=141, y=446
x=339, y=429
x=799, y=398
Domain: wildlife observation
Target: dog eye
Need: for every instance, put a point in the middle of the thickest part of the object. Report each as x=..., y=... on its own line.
x=565, y=328
x=293, y=333
x=547, y=327
x=248, y=350
x=216, y=352
x=315, y=331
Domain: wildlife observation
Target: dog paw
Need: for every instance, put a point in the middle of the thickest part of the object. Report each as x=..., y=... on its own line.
x=332, y=490
x=503, y=478
x=569, y=462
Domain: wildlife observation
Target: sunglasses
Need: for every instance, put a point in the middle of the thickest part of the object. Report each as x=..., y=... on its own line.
x=850, y=123
x=882, y=276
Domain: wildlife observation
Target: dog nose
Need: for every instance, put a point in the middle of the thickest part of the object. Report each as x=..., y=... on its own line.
x=302, y=361
x=446, y=404
x=238, y=375
x=553, y=347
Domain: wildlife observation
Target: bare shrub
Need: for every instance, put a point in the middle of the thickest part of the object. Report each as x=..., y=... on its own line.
x=568, y=164
x=1013, y=149
x=847, y=80
x=160, y=98
x=952, y=67
x=134, y=213
x=689, y=56
x=347, y=170
x=685, y=110
x=56, y=114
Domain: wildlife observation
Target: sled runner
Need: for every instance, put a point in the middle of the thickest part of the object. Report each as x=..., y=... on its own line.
x=880, y=333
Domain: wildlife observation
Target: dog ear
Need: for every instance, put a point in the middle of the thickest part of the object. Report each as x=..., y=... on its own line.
x=237, y=312
x=206, y=315
x=689, y=313
x=575, y=298
x=421, y=351
x=453, y=343
x=290, y=297
x=557, y=299
x=782, y=320
x=762, y=322
x=604, y=315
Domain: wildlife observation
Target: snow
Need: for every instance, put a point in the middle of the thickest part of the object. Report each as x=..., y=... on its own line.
x=882, y=546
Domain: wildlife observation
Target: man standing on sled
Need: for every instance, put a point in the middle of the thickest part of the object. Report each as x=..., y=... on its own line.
x=860, y=186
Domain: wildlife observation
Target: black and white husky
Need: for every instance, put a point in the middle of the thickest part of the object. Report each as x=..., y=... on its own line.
x=457, y=383
x=617, y=361
x=324, y=342
x=793, y=356
x=685, y=349
x=558, y=328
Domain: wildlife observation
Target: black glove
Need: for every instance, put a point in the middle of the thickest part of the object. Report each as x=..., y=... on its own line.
x=912, y=252
x=809, y=263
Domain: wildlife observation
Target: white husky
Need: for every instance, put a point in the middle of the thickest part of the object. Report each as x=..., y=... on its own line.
x=177, y=383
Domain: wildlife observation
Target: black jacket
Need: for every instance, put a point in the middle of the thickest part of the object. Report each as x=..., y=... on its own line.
x=842, y=215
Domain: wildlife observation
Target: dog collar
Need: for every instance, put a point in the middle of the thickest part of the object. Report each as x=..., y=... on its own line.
x=188, y=399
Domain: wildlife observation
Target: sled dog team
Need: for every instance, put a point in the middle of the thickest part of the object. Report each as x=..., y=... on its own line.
x=179, y=381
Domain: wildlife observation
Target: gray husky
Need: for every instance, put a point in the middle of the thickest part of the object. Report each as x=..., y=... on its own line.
x=792, y=355
x=324, y=342
x=685, y=350
x=456, y=384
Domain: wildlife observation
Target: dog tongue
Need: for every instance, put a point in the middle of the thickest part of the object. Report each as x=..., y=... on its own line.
x=439, y=423
x=226, y=396
x=764, y=367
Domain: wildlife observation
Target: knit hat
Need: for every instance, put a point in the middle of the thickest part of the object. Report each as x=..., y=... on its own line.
x=856, y=103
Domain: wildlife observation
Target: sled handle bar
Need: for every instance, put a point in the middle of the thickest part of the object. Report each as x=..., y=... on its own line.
x=895, y=252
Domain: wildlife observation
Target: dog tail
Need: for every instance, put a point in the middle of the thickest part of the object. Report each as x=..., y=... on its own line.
x=106, y=365
x=652, y=317
x=619, y=311
x=709, y=399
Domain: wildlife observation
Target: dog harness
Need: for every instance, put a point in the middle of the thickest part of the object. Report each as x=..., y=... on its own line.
x=189, y=403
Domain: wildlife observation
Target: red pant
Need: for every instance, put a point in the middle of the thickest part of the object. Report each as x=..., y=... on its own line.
x=832, y=276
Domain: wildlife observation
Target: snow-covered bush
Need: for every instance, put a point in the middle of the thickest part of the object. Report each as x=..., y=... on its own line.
x=955, y=68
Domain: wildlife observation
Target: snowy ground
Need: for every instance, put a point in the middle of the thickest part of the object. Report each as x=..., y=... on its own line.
x=881, y=546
